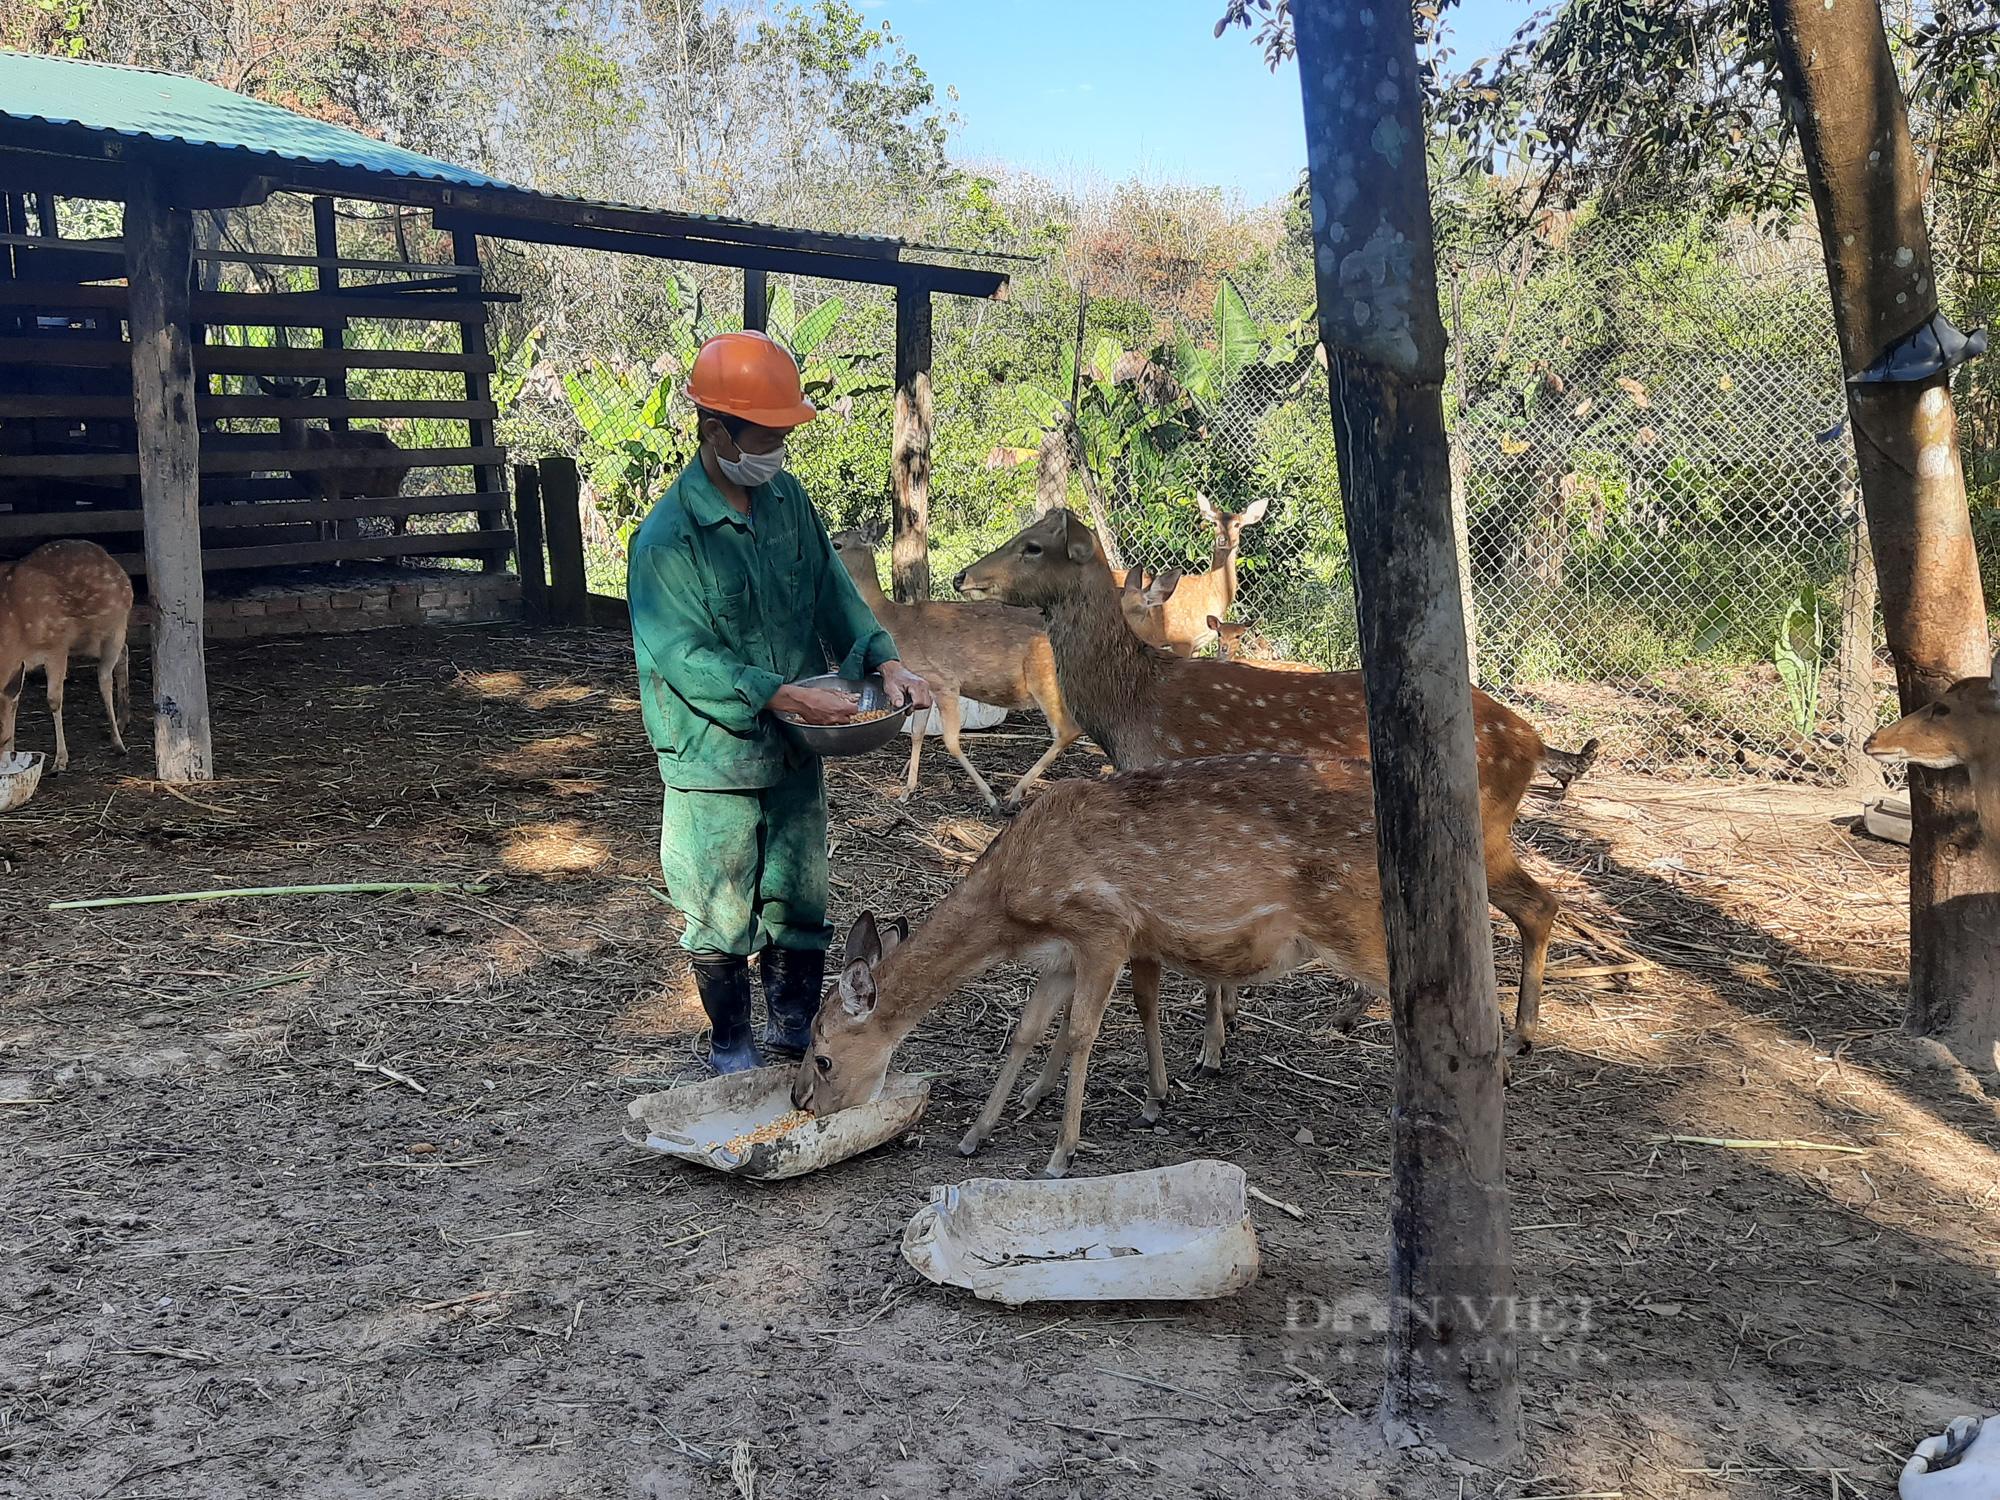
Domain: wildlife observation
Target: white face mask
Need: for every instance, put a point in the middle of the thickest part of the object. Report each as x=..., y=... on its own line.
x=753, y=469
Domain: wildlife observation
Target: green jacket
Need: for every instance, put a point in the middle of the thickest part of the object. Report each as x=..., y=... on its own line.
x=726, y=609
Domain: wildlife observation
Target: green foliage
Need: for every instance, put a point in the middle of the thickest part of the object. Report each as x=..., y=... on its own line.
x=1799, y=666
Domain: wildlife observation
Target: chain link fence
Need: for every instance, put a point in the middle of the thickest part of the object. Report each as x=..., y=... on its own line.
x=1660, y=522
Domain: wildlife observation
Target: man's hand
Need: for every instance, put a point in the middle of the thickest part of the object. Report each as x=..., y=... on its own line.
x=905, y=686
x=814, y=705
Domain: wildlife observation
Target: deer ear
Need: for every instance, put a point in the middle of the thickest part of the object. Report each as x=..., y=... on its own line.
x=864, y=942
x=895, y=932
x=1078, y=541
x=874, y=531
x=1163, y=585
x=1993, y=681
x=857, y=991
x=1254, y=512
x=1207, y=509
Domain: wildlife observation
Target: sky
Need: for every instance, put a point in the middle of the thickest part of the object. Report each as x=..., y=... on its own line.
x=1116, y=88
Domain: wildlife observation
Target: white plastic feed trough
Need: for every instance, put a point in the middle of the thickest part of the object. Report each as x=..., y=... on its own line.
x=745, y=1124
x=1179, y=1233
x=972, y=714
x=20, y=774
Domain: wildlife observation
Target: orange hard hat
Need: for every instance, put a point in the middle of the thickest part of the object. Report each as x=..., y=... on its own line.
x=749, y=375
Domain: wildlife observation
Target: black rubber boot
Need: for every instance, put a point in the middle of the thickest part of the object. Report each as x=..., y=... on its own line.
x=724, y=982
x=793, y=978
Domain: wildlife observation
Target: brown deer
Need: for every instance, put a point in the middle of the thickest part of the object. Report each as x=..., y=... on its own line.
x=364, y=481
x=1143, y=597
x=1095, y=875
x=987, y=652
x=1183, y=625
x=1143, y=706
x=1235, y=641
x=64, y=599
x=1961, y=728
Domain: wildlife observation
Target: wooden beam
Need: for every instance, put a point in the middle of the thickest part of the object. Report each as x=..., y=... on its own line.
x=333, y=332
x=219, y=460
x=232, y=359
x=162, y=264
x=241, y=515
x=563, y=526
x=258, y=309
x=303, y=407
x=873, y=270
x=910, y=460
x=345, y=549
x=528, y=561
x=478, y=389
x=756, y=300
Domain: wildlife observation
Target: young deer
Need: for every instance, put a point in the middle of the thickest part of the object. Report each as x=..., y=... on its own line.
x=1235, y=641
x=384, y=483
x=1095, y=875
x=987, y=652
x=1961, y=728
x=63, y=599
x=1143, y=707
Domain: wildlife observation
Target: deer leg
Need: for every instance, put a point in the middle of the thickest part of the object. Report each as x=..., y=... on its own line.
x=58, y=670
x=1532, y=907
x=1053, y=1063
x=949, y=720
x=121, y=683
x=1146, y=998
x=107, y=675
x=1221, y=1000
x=1064, y=733
x=1051, y=995
x=916, y=755
x=1096, y=977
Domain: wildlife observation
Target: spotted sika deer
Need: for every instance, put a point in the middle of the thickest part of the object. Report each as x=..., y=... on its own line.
x=383, y=483
x=1095, y=876
x=1961, y=728
x=64, y=599
x=1143, y=707
x=1143, y=597
x=987, y=652
x=1183, y=621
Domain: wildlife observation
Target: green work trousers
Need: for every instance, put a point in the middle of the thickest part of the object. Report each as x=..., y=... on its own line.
x=747, y=869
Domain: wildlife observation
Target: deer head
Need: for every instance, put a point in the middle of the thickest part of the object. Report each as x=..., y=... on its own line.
x=1962, y=728
x=1038, y=566
x=851, y=1039
x=1229, y=525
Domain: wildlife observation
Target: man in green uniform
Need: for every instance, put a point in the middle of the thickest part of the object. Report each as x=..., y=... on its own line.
x=736, y=594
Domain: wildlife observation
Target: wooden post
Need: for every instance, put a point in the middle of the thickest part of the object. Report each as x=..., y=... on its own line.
x=568, y=595
x=326, y=245
x=1450, y=1357
x=1843, y=94
x=756, y=300
x=910, y=558
x=159, y=253
x=487, y=479
x=528, y=541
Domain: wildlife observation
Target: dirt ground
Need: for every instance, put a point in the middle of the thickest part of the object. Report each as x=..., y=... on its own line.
x=327, y=1195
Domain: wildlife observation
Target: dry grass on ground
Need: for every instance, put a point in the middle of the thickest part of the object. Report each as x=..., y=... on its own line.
x=329, y=1193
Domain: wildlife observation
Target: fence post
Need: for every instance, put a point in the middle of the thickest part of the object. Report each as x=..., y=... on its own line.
x=1856, y=707
x=910, y=461
x=568, y=596
x=756, y=301
x=528, y=541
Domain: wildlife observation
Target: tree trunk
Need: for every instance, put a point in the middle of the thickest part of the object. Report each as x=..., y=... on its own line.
x=1451, y=1364
x=159, y=249
x=909, y=556
x=1862, y=168
x=1461, y=487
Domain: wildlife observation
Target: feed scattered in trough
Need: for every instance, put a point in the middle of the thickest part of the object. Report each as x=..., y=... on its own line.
x=745, y=1125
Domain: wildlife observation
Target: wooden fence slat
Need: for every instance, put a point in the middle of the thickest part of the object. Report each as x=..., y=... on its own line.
x=305, y=408
x=235, y=359
x=563, y=523
x=293, y=554
x=255, y=309
x=50, y=524
x=528, y=562
x=217, y=460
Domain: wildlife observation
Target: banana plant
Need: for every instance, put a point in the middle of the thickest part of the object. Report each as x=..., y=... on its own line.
x=1800, y=669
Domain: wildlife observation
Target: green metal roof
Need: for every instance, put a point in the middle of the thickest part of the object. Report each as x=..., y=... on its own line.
x=138, y=102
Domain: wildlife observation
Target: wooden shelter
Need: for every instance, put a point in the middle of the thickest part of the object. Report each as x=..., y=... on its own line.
x=117, y=366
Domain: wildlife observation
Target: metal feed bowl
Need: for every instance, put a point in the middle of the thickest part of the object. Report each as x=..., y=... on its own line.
x=849, y=739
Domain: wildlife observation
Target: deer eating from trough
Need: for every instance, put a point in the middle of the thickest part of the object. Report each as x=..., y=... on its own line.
x=990, y=653
x=383, y=482
x=1959, y=728
x=1143, y=706
x=64, y=599
x=1096, y=875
